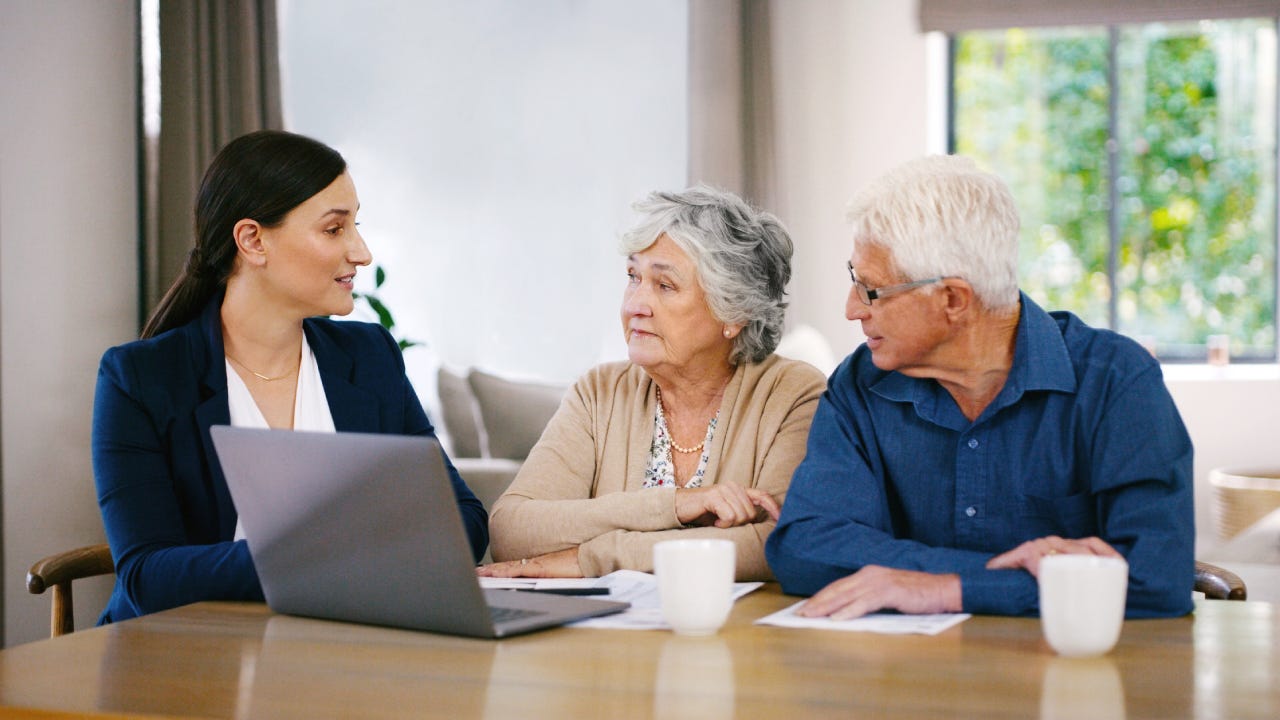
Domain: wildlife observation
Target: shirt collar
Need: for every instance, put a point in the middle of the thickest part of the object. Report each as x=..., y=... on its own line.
x=1040, y=358
x=1040, y=362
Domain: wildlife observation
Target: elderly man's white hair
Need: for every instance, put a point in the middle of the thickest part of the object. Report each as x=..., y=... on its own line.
x=942, y=216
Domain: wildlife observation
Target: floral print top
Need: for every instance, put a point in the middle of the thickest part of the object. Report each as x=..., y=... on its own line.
x=661, y=471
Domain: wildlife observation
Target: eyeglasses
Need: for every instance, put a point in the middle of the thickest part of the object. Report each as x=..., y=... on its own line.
x=866, y=294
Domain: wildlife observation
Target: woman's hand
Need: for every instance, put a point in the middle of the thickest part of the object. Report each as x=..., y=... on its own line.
x=559, y=564
x=724, y=505
x=1027, y=555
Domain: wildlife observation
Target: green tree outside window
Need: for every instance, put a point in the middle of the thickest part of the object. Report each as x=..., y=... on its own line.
x=1142, y=159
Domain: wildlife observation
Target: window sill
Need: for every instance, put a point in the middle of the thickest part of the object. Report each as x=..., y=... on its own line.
x=1218, y=373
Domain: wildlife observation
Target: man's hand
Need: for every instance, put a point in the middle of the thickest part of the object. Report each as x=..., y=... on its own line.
x=724, y=505
x=879, y=588
x=1027, y=555
x=559, y=564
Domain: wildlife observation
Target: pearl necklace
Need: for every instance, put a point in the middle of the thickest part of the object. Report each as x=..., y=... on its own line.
x=671, y=436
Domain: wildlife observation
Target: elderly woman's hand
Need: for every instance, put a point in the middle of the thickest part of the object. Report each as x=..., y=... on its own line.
x=559, y=564
x=724, y=505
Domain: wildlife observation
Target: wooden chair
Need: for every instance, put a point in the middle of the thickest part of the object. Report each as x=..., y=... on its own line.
x=1218, y=583
x=57, y=571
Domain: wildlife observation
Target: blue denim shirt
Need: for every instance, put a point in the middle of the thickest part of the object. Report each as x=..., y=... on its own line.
x=1083, y=440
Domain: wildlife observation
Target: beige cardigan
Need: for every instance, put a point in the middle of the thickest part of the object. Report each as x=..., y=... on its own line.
x=583, y=482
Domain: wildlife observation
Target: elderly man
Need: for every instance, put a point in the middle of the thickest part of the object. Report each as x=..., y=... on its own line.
x=974, y=433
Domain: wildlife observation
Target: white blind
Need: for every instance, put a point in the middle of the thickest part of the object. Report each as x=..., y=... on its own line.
x=958, y=15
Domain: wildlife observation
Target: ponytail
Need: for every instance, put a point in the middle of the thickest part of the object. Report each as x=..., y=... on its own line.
x=195, y=287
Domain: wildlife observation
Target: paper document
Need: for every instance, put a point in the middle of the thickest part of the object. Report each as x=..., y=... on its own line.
x=493, y=583
x=639, y=589
x=888, y=623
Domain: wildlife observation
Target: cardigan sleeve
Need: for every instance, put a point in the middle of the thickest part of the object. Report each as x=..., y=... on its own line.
x=552, y=503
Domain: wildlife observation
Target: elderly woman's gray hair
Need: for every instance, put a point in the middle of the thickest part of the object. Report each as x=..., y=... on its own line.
x=743, y=256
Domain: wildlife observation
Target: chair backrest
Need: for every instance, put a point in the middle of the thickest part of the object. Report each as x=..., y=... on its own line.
x=1219, y=583
x=57, y=571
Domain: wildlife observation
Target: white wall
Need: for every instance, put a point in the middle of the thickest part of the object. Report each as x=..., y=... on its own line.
x=497, y=147
x=68, y=275
x=1233, y=416
x=850, y=103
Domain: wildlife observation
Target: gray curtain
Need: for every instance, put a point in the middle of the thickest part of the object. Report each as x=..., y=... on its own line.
x=731, y=129
x=219, y=79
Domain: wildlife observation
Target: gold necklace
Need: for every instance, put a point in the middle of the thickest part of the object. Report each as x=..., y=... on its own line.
x=671, y=436
x=259, y=375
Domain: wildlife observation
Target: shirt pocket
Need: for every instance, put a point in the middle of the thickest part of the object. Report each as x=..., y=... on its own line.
x=1069, y=516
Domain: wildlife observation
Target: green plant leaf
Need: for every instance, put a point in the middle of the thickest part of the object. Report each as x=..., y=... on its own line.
x=384, y=315
x=375, y=303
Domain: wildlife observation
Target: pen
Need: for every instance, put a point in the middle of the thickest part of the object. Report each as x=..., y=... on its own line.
x=570, y=590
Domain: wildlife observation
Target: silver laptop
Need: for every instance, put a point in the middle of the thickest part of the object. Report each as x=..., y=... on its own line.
x=365, y=528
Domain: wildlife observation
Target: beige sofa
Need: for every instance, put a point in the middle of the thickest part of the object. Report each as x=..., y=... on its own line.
x=490, y=424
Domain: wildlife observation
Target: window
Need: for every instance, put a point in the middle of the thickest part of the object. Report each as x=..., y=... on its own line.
x=1143, y=160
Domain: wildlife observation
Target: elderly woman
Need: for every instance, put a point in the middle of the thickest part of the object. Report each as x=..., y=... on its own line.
x=698, y=433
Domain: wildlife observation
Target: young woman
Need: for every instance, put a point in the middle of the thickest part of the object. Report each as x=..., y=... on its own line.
x=241, y=339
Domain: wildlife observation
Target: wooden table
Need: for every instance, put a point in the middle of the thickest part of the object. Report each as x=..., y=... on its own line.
x=239, y=660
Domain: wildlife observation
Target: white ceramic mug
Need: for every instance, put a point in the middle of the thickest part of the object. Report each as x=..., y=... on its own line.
x=695, y=583
x=1082, y=602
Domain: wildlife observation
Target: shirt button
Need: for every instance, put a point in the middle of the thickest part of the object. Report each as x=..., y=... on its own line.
x=973, y=443
x=971, y=511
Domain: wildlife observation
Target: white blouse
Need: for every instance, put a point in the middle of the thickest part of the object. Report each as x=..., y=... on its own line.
x=310, y=406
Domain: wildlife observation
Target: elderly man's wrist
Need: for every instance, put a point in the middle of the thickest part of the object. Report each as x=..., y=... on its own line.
x=952, y=595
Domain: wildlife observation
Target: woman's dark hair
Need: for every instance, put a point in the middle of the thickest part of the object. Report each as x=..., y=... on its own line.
x=260, y=176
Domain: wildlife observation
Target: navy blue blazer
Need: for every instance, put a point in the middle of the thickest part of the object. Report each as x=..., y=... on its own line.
x=166, y=508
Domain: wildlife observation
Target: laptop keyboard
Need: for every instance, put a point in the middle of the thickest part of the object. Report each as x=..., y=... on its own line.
x=510, y=614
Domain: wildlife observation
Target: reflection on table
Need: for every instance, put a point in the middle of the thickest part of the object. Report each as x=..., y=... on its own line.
x=239, y=660
x=1076, y=688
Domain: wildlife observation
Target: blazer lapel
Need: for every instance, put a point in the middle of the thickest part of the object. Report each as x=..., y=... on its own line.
x=213, y=409
x=353, y=409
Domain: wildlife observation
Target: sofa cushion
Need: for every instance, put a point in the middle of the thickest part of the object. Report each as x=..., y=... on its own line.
x=459, y=414
x=514, y=413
